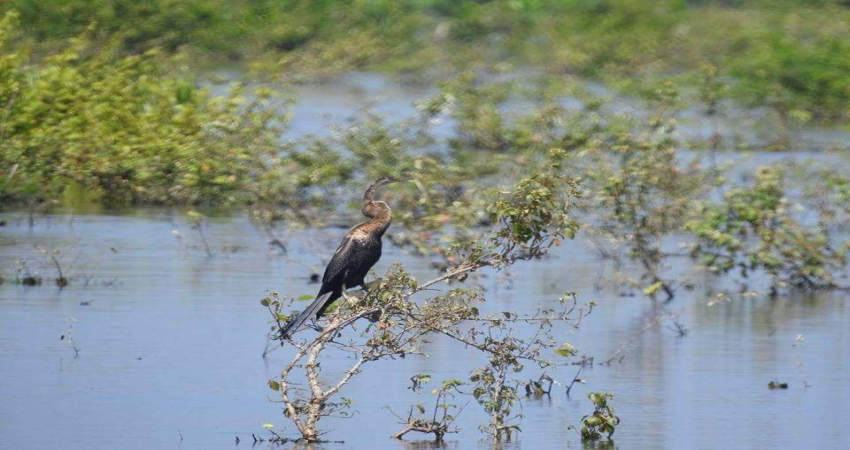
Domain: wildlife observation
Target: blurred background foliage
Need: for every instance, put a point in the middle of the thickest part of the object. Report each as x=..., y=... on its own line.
x=89, y=118
x=788, y=54
x=100, y=104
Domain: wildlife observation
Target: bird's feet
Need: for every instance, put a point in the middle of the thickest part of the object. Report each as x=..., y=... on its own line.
x=350, y=299
x=372, y=284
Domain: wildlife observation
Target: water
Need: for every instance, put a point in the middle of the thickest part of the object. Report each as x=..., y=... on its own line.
x=170, y=340
x=320, y=109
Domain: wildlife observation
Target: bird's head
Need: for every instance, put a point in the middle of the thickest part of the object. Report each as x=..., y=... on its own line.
x=375, y=208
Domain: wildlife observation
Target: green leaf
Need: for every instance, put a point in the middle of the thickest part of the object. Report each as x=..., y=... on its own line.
x=653, y=288
x=448, y=384
x=566, y=350
x=274, y=385
x=305, y=298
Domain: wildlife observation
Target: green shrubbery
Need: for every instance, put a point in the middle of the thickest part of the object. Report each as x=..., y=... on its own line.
x=603, y=419
x=206, y=24
x=755, y=228
x=786, y=54
x=120, y=131
x=92, y=122
x=796, y=59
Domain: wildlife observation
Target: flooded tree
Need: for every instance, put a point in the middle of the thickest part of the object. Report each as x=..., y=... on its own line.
x=401, y=312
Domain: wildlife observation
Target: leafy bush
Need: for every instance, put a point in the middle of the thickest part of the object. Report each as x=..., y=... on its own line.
x=786, y=54
x=791, y=253
x=603, y=419
x=121, y=131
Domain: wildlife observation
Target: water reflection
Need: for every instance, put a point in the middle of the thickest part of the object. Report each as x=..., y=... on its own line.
x=174, y=347
x=320, y=108
x=429, y=445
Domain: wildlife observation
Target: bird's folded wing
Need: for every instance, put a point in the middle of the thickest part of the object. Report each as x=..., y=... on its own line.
x=343, y=253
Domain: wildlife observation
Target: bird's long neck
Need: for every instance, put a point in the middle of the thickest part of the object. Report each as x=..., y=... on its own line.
x=378, y=224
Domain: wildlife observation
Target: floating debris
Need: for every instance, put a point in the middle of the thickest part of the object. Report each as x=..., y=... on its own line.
x=31, y=281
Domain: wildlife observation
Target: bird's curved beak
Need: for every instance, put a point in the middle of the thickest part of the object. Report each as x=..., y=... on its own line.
x=380, y=182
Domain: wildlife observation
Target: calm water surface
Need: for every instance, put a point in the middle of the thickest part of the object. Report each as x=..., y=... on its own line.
x=171, y=340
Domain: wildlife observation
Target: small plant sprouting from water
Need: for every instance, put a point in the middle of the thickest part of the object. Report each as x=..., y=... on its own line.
x=69, y=336
x=497, y=394
x=442, y=416
x=198, y=222
x=53, y=256
x=536, y=387
x=24, y=277
x=603, y=420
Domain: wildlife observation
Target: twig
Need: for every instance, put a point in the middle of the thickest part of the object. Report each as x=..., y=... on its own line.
x=274, y=239
x=619, y=352
x=69, y=336
x=61, y=281
x=204, y=239
x=575, y=379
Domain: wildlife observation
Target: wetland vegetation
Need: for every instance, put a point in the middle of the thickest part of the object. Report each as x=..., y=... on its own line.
x=606, y=121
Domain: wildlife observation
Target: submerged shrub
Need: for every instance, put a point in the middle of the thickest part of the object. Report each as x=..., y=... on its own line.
x=603, y=419
x=528, y=219
x=754, y=229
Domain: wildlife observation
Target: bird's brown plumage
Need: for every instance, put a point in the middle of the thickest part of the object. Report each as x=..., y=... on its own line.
x=359, y=251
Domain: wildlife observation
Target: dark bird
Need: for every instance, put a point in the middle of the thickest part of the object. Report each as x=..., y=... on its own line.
x=358, y=252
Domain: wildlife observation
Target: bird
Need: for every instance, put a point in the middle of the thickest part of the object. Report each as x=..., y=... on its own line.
x=359, y=251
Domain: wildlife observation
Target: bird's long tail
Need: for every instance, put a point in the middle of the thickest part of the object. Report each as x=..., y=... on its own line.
x=308, y=313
